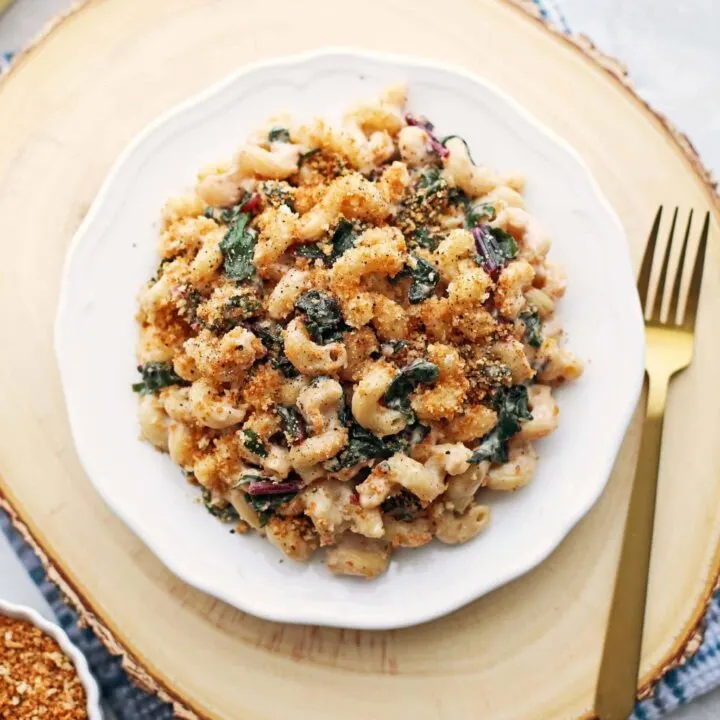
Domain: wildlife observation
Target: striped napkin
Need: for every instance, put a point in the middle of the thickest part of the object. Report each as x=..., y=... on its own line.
x=697, y=676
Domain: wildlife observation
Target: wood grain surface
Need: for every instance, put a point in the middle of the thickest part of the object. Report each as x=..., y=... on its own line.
x=528, y=651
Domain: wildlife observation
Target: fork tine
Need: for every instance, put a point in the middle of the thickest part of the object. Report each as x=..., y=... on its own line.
x=646, y=267
x=675, y=298
x=660, y=292
x=694, y=291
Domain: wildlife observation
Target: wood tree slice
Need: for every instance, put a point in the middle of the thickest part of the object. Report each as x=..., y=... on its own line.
x=529, y=651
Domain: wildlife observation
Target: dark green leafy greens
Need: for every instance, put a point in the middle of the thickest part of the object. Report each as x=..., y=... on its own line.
x=413, y=434
x=424, y=239
x=533, y=328
x=496, y=374
x=431, y=181
x=155, y=376
x=343, y=239
x=279, y=134
x=292, y=423
x=364, y=445
x=266, y=505
x=160, y=269
x=270, y=334
x=238, y=247
x=307, y=155
x=223, y=511
x=237, y=309
x=478, y=213
x=247, y=478
x=278, y=193
x=323, y=318
x=424, y=280
x=404, y=506
x=190, y=310
x=228, y=216
x=311, y=252
x=397, y=396
x=393, y=347
x=254, y=444
x=511, y=405
x=494, y=246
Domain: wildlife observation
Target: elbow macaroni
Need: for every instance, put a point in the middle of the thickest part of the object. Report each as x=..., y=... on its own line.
x=336, y=353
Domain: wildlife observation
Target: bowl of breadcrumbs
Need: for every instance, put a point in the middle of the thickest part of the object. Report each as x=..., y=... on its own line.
x=42, y=674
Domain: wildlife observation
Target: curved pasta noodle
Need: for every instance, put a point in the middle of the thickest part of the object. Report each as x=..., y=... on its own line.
x=517, y=471
x=349, y=196
x=453, y=529
x=460, y=171
x=445, y=398
x=309, y=357
x=544, y=411
x=319, y=403
x=318, y=449
x=378, y=251
x=366, y=406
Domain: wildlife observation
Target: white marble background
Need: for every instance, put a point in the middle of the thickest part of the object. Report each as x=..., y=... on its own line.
x=672, y=50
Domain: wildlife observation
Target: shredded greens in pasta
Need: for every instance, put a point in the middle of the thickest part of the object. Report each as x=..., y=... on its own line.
x=155, y=376
x=238, y=247
x=346, y=333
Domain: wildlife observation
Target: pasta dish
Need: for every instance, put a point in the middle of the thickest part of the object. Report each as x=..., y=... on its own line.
x=350, y=337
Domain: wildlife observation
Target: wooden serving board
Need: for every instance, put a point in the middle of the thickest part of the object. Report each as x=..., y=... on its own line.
x=528, y=651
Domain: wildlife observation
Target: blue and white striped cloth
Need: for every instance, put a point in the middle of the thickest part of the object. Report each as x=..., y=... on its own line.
x=699, y=675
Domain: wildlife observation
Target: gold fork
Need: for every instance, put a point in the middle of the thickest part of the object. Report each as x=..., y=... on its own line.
x=668, y=350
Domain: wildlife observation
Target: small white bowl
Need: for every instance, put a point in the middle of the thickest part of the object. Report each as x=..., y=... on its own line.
x=92, y=694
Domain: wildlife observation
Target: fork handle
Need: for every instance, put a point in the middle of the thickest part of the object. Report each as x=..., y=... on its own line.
x=620, y=664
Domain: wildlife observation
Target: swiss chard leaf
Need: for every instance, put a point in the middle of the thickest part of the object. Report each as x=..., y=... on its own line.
x=424, y=239
x=430, y=181
x=492, y=447
x=393, y=347
x=511, y=405
x=533, y=328
x=311, y=252
x=397, y=396
x=225, y=512
x=495, y=248
x=238, y=247
x=266, y=505
x=270, y=334
x=404, y=440
x=155, y=376
x=345, y=414
x=343, y=239
x=364, y=445
x=478, y=213
x=292, y=423
x=424, y=280
x=237, y=309
x=323, y=318
x=307, y=155
x=254, y=444
x=404, y=506
x=278, y=193
x=279, y=134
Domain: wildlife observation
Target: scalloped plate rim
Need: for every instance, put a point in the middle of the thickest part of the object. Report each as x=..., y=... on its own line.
x=373, y=620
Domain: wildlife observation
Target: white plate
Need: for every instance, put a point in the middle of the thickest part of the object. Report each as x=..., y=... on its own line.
x=92, y=694
x=114, y=252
